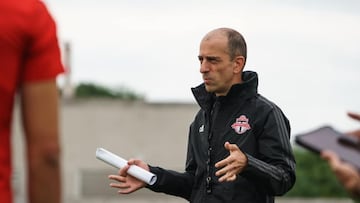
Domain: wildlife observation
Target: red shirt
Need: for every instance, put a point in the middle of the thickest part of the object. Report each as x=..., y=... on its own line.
x=29, y=52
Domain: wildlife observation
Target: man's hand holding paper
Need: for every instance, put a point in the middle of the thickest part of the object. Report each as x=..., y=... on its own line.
x=127, y=183
x=133, y=174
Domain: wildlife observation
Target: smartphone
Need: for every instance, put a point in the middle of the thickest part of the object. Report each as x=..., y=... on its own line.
x=327, y=138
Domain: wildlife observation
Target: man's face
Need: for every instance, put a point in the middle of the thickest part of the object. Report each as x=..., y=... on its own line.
x=215, y=65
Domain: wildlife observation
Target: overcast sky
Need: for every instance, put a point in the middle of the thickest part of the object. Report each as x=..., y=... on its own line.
x=306, y=52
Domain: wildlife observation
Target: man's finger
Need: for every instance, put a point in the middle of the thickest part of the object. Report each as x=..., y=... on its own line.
x=231, y=147
x=123, y=171
x=332, y=158
x=354, y=115
x=126, y=191
x=132, y=162
x=223, y=171
x=119, y=185
x=117, y=178
x=231, y=178
x=223, y=162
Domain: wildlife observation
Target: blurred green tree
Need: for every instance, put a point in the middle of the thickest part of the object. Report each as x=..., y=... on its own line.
x=90, y=90
x=314, y=177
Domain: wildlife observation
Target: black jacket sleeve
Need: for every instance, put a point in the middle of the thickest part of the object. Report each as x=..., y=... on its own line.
x=172, y=182
x=273, y=168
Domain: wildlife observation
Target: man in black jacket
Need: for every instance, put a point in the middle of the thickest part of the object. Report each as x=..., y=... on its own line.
x=238, y=148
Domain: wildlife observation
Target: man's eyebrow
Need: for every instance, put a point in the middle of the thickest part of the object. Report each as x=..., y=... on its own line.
x=209, y=57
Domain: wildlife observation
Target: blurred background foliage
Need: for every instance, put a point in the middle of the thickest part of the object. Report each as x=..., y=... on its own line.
x=90, y=90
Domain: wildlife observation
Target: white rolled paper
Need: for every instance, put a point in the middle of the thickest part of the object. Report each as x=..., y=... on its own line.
x=118, y=162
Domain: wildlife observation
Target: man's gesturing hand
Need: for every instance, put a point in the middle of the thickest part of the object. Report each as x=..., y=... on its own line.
x=232, y=165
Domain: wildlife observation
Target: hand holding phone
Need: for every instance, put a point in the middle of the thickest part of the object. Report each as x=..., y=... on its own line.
x=327, y=138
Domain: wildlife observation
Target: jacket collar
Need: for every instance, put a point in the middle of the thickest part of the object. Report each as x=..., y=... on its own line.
x=241, y=91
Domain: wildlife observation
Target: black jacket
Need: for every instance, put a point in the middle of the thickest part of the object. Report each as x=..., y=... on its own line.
x=260, y=130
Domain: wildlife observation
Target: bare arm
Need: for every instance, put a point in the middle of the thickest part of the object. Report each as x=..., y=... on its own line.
x=40, y=121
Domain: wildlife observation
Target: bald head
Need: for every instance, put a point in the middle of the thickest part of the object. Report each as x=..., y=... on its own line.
x=235, y=41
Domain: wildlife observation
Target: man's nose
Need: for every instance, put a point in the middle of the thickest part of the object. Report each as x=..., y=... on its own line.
x=204, y=67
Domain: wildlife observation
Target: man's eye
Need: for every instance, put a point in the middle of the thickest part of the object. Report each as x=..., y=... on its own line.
x=212, y=60
x=201, y=59
x=208, y=59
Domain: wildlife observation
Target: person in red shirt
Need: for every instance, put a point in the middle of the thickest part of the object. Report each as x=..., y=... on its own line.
x=29, y=63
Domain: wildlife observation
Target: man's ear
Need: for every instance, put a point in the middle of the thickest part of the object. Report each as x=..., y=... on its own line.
x=239, y=64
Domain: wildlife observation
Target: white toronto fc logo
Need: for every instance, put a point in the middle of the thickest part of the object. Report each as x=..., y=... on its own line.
x=201, y=129
x=241, y=125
